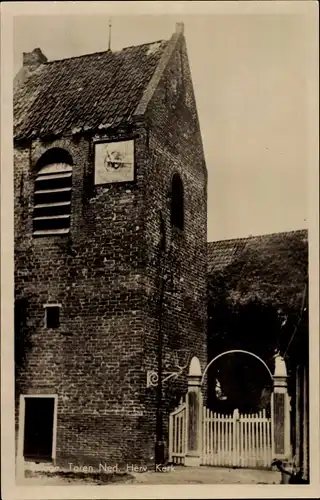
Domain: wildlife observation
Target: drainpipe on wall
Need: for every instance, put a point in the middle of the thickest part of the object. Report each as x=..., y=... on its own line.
x=159, y=450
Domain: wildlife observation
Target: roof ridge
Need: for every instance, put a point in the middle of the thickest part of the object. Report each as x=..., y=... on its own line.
x=103, y=52
x=92, y=77
x=242, y=238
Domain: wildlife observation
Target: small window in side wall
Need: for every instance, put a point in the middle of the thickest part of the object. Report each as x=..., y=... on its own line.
x=177, y=202
x=52, y=315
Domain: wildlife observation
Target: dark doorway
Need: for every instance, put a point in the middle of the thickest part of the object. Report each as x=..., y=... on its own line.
x=38, y=428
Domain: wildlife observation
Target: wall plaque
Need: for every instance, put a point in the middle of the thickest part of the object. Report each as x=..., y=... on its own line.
x=113, y=162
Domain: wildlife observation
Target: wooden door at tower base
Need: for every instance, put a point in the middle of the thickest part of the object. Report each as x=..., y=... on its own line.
x=38, y=428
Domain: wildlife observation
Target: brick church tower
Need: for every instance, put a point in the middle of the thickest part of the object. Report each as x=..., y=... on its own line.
x=110, y=250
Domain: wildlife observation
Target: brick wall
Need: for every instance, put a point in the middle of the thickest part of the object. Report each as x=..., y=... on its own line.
x=93, y=361
x=174, y=145
x=105, y=274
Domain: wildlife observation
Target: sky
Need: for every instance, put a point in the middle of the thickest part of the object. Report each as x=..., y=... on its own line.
x=250, y=80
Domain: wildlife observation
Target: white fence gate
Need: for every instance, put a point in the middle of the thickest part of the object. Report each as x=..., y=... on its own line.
x=237, y=440
x=178, y=435
x=198, y=436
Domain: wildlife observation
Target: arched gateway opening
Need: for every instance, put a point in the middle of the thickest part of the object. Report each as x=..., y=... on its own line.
x=231, y=352
x=238, y=379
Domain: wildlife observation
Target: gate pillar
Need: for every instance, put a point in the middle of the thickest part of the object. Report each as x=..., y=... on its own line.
x=281, y=412
x=194, y=415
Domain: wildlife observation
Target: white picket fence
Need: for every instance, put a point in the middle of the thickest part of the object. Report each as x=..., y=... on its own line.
x=177, y=435
x=236, y=440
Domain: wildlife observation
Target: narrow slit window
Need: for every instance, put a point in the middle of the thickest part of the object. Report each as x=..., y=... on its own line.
x=177, y=202
x=52, y=316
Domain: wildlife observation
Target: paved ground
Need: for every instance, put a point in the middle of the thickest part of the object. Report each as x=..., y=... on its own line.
x=180, y=475
x=209, y=475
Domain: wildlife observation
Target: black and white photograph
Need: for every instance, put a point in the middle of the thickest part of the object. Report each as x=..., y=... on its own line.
x=161, y=313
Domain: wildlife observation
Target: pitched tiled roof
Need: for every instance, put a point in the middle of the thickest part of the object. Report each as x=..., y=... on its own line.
x=271, y=268
x=88, y=92
x=223, y=253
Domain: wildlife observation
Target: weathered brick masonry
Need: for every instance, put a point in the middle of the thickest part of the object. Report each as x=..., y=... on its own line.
x=175, y=146
x=105, y=274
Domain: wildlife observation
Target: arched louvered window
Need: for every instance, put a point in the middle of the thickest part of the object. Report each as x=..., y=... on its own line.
x=52, y=194
x=177, y=202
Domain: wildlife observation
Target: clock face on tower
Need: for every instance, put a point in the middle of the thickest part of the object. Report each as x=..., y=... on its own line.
x=113, y=162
